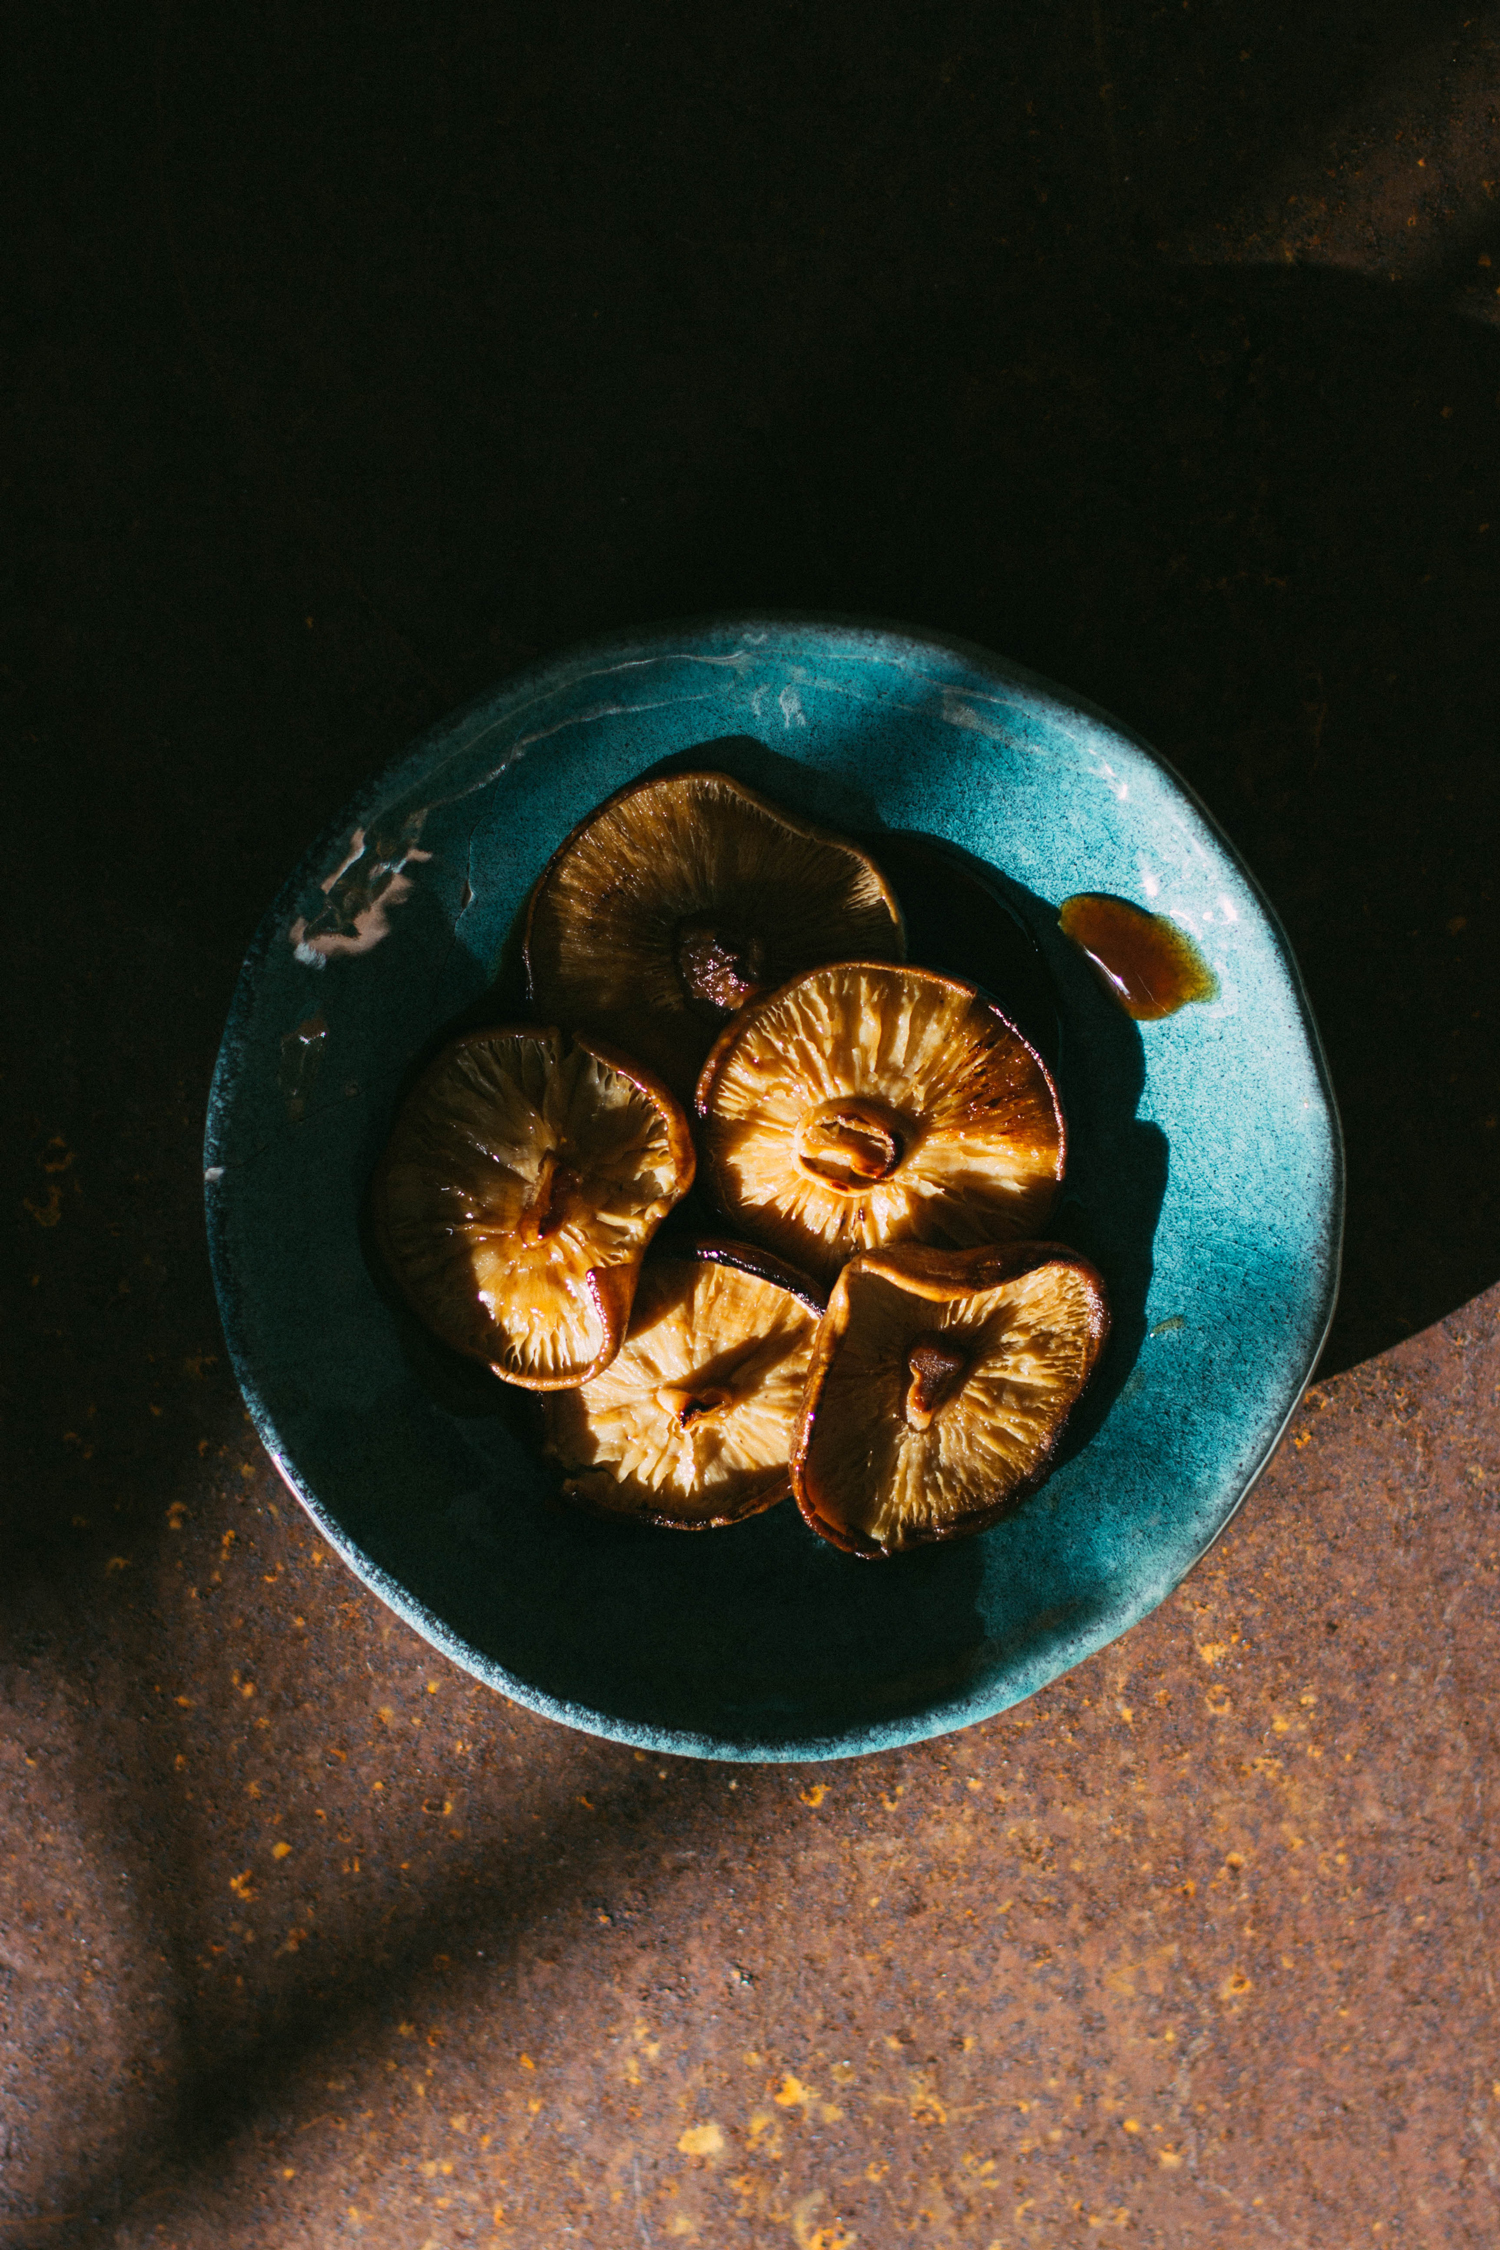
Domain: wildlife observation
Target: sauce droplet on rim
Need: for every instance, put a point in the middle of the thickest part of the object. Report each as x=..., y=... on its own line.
x=1149, y=965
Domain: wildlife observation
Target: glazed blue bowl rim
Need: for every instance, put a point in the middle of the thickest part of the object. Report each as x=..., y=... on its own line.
x=548, y=674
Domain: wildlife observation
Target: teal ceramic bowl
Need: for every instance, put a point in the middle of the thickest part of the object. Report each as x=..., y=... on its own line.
x=1205, y=1180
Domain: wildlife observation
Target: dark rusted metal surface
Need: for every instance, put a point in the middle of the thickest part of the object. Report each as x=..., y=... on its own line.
x=309, y=1939
x=1163, y=356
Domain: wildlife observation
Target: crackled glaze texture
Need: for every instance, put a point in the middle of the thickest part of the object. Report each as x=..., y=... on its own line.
x=1204, y=1180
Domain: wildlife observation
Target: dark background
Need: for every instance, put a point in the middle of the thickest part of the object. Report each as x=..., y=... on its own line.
x=360, y=356
x=355, y=356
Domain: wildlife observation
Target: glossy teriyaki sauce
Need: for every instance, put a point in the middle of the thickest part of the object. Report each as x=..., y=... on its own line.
x=1151, y=967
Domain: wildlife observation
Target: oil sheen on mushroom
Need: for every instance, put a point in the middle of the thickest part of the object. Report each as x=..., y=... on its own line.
x=940, y=1385
x=691, y=1425
x=680, y=901
x=524, y=1177
x=869, y=1103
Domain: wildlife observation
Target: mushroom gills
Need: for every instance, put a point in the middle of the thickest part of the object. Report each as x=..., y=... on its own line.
x=940, y=1388
x=524, y=1177
x=682, y=900
x=868, y=1103
x=691, y=1426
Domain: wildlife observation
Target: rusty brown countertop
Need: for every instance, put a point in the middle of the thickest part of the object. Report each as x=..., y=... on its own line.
x=1163, y=355
x=313, y=1939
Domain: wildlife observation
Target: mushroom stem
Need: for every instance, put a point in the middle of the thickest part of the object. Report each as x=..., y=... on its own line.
x=689, y=1406
x=548, y=1207
x=720, y=969
x=937, y=1372
x=849, y=1145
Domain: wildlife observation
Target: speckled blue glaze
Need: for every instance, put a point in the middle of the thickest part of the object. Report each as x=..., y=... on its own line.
x=1205, y=1178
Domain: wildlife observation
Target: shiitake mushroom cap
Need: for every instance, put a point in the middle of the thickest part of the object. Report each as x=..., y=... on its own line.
x=690, y=1427
x=868, y=1102
x=524, y=1177
x=684, y=897
x=940, y=1385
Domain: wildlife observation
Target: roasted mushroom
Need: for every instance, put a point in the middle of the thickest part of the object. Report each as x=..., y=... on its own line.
x=940, y=1384
x=683, y=898
x=525, y=1176
x=691, y=1425
x=866, y=1103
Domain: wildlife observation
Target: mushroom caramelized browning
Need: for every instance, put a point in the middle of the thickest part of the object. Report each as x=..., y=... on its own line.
x=524, y=1178
x=868, y=1103
x=940, y=1384
x=680, y=901
x=691, y=1425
